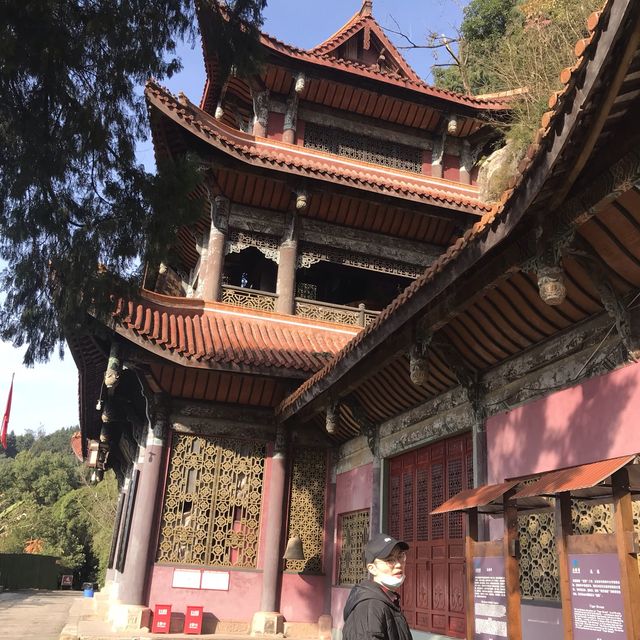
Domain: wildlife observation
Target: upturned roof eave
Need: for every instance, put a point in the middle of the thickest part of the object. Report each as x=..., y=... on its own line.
x=282, y=157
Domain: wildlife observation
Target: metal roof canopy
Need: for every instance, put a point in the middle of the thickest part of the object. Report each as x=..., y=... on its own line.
x=583, y=481
x=488, y=499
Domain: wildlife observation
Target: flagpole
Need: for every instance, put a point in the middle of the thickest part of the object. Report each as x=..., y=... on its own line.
x=7, y=413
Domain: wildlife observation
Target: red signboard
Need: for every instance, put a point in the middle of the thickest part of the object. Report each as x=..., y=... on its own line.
x=193, y=620
x=161, y=618
x=66, y=580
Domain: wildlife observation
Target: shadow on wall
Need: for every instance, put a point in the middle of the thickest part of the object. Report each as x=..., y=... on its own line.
x=592, y=421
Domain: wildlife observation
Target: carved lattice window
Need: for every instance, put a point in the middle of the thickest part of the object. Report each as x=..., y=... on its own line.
x=211, y=512
x=538, y=557
x=363, y=148
x=354, y=533
x=306, y=514
x=437, y=498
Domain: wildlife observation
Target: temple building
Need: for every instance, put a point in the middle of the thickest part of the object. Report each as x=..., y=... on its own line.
x=351, y=336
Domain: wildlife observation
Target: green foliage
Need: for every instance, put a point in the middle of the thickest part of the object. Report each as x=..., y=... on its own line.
x=518, y=44
x=237, y=25
x=484, y=23
x=78, y=214
x=45, y=497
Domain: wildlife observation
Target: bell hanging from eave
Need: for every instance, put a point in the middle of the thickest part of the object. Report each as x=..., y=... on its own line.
x=294, y=548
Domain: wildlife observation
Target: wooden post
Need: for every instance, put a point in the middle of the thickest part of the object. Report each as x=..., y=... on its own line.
x=564, y=528
x=626, y=544
x=215, y=247
x=260, y=112
x=290, y=119
x=511, y=569
x=470, y=540
x=287, y=264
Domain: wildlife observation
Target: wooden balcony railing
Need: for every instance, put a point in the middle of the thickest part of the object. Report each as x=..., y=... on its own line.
x=249, y=298
x=328, y=312
x=325, y=311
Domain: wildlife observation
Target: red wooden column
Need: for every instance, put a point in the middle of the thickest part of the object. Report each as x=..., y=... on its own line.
x=287, y=265
x=140, y=552
x=260, y=112
x=268, y=620
x=626, y=544
x=470, y=540
x=213, y=252
x=511, y=568
x=291, y=113
x=564, y=528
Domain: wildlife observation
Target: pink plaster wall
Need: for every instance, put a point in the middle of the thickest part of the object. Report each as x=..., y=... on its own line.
x=275, y=125
x=339, y=597
x=592, y=421
x=451, y=167
x=353, y=489
x=353, y=492
x=302, y=597
x=238, y=604
x=426, y=162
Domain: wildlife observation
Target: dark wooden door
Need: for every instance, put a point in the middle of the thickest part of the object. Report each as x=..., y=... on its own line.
x=419, y=481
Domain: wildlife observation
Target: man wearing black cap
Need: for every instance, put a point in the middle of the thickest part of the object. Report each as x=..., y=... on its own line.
x=373, y=606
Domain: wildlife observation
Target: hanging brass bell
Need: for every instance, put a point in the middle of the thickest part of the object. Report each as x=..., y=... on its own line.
x=294, y=548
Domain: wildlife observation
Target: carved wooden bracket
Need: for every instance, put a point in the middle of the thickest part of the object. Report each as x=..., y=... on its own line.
x=419, y=357
x=468, y=378
x=596, y=269
x=368, y=428
x=260, y=111
x=333, y=417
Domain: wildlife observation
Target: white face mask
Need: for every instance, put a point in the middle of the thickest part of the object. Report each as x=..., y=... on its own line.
x=393, y=582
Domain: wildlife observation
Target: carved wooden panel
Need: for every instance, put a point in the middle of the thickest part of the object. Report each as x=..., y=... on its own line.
x=354, y=532
x=538, y=558
x=239, y=297
x=363, y=148
x=306, y=513
x=419, y=481
x=211, y=509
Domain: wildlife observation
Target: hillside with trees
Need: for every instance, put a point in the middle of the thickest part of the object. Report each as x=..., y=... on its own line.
x=504, y=45
x=47, y=505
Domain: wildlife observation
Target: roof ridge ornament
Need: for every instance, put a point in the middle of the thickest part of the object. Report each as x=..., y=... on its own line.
x=367, y=8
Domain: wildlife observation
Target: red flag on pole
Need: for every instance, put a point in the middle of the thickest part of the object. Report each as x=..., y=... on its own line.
x=5, y=419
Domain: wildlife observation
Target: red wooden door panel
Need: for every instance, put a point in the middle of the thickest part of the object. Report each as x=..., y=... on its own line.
x=419, y=481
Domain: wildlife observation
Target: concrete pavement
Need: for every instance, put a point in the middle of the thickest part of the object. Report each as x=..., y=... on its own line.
x=29, y=614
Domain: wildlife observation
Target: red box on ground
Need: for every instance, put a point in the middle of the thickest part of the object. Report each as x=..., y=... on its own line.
x=161, y=618
x=193, y=620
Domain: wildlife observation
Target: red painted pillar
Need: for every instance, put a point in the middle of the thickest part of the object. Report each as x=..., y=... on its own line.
x=273, y=538
x=268, y=620
x=214, y=251
x=287, y=264
x=286, y=283
x=140, y=552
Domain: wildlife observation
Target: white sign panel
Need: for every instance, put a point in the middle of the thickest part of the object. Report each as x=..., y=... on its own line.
x=186, y=579
x=218, y=580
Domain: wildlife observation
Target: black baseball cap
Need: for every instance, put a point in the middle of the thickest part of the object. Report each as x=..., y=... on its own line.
x=381, y=546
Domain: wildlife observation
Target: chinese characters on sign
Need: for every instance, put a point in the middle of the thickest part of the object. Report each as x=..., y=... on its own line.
x=596, y=597
x=490, y=598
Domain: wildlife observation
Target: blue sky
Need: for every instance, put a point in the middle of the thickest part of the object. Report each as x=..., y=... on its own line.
x=47, y=395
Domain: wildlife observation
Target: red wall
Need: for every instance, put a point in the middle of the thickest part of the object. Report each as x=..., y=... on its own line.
x=302, y=597
x=353, y=492
x=451, y=167
x=275, y=125
x=238, y=604
x=592, y=421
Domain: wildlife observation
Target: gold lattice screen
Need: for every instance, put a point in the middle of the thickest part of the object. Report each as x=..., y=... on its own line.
x=538, y=557
x=306, y=513
x=211, y=512
x=354, y=533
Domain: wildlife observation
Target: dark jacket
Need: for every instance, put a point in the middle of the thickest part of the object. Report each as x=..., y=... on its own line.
x=369, y=613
